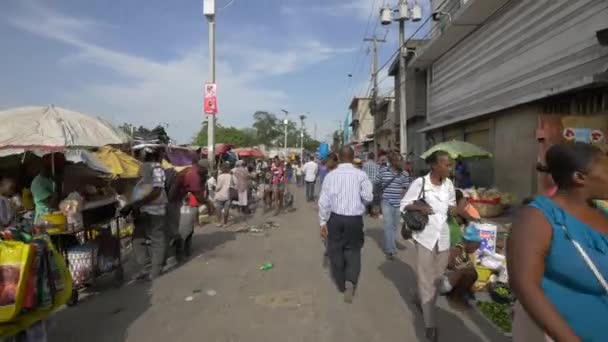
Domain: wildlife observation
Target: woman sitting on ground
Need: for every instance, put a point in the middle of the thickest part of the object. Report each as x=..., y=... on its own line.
x=461, y=274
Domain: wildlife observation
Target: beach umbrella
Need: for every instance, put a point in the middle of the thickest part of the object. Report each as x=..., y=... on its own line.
x=54, y=129
x=458, y=149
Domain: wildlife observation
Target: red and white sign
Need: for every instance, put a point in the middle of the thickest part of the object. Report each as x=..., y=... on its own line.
x=597, y=136
x=210, y=98
x=569, y=133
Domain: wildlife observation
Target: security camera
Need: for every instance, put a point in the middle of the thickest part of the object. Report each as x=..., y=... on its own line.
x=602, y=36
x=438, y=16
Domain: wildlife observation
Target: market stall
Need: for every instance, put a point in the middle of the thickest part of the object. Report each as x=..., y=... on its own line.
x=72, y=224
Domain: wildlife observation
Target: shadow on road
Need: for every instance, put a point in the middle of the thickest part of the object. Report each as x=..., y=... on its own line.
x=403, y=278
x=117, y=308
x=206, y=242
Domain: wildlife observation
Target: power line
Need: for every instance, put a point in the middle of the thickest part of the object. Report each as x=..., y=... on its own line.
x=357, y=61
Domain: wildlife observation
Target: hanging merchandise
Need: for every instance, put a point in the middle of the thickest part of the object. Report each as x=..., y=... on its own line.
x=81, y=260
x=15, y=260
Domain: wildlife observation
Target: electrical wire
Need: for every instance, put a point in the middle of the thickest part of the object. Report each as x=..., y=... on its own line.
x=360, y=56
x=230, y=2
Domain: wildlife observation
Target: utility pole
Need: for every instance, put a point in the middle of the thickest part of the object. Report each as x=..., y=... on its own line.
x=285, y=122
x=375, y=42
x=402, y=86
x=374, y=101
x=209, y=11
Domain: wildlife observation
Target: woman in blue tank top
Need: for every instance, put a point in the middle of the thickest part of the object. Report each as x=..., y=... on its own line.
x=554, y=283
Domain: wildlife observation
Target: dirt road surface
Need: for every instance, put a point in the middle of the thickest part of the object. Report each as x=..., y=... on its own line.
x=220, y=295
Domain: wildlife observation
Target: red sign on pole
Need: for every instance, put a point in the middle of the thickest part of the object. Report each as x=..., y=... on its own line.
x=210, y=98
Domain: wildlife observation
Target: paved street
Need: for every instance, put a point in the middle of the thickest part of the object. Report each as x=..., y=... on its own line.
x=234, y=301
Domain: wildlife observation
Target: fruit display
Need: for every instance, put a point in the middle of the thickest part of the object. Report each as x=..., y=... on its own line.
x=499, y=314
x=492, y=196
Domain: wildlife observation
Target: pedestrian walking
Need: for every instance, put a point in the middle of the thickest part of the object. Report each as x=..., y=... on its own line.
x=149, y=206
x=310, y=171
x=222, y=195
x=392, y=183
x=342, y=201
x=433, y=242
x=189, y=182
x=278, y=183
x=299, y=174
x=558, y=252
x=242, y=184
x=371, y=169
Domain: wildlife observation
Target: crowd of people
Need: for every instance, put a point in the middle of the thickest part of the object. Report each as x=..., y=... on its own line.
x=557, y=250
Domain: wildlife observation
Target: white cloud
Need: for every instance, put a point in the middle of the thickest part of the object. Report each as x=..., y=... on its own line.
x=149, y=92
x=358, y=9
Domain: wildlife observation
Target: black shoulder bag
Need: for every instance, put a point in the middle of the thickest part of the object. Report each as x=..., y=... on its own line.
x=414, y=220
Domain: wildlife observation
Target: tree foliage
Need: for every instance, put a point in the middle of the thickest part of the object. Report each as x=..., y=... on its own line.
x=227, y=135
x=267, y=130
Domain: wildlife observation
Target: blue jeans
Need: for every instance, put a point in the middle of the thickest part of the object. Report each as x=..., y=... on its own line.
x=391, y=217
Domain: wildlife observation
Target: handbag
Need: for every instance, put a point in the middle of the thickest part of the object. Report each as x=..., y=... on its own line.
x=415, y=220
x=233, y=194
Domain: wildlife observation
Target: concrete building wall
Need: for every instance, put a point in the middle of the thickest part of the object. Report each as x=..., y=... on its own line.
x=515, y=150
x=527, y=51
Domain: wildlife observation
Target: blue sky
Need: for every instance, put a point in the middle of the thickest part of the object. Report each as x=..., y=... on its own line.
x=145, y=61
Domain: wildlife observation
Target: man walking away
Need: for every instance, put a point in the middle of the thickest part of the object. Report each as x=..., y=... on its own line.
x=189, y=181
x=310, y=170
x=392, y=183
x=344, y=194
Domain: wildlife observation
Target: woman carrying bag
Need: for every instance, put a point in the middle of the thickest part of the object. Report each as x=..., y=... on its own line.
x=426, y=207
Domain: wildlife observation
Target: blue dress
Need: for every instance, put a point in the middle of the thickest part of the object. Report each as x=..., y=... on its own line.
x=568, y=282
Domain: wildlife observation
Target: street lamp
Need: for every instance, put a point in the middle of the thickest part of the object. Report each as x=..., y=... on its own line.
x=302, y=118
x=285, y=122
x=405, y=13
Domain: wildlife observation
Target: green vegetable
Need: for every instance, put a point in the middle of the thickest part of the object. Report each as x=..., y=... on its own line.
x=499, y=314
x=503, y=291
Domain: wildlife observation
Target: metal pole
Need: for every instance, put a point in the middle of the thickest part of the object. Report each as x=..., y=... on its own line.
x=285, y=122
x=402, y=92
x=211, y=118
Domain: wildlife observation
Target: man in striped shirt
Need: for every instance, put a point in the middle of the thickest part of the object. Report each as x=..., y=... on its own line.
x=344, y=195
x=392, y=182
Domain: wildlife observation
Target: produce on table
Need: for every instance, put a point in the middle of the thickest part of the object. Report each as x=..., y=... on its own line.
x=499, y=314
x=503, y=291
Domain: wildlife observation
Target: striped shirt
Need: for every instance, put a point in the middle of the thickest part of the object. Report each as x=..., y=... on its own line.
x=393, y=189
x=345, y=191
x=371, y=168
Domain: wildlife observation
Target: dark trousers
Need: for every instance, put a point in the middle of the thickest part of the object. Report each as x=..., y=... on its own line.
x=150, y=227
x=310, y=191
x=344, y=242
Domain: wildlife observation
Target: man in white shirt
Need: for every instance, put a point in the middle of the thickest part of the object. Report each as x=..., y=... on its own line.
x=344, y=194
x=432, y=243
x=310, y=170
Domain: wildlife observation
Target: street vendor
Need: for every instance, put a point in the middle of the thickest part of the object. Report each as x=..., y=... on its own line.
x=45, y=191
x=149, y=205
x=461, y=274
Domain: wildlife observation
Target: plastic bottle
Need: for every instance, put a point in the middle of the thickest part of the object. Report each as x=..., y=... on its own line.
x=266, y=266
